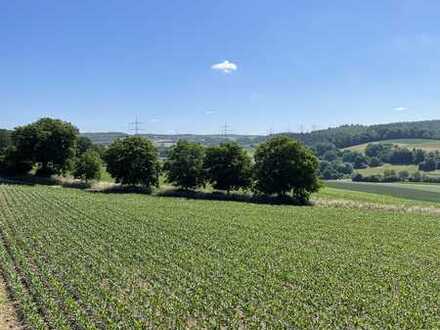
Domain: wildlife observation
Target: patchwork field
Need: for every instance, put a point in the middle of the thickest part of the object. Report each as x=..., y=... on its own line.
x=411, y=191
x=75, y=259
x=425, y=144
x=397, y=168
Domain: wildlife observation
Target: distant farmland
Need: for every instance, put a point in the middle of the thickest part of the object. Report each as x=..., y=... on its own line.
x=421, y=192
x=397, y=168
x=425, y=144
x=166, y=140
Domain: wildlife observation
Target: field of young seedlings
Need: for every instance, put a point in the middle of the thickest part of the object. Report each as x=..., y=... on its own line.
x=74, y=259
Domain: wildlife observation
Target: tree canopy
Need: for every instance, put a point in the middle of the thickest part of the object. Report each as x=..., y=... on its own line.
x=184, y=166
x=83, y=145
x=88, y=166
x=350, y=135
x=284, y=165
x=228, y=167
x=48, y=142
x=5, y=140
x=133, y=160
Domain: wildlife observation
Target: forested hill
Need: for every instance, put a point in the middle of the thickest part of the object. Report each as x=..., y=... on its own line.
x=349, y=135
x=343, y=136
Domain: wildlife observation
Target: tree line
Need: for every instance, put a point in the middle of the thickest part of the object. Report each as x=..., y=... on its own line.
x=280, y=165
x=337, y=164
x=393, y=176
x=350, y=135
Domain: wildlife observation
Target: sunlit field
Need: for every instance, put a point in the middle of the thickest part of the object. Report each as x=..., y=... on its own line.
x=75, y=259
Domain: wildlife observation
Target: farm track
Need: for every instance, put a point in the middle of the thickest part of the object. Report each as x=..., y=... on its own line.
x=77, y=260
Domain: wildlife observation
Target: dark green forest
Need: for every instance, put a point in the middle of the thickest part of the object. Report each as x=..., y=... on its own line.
x=350, y=135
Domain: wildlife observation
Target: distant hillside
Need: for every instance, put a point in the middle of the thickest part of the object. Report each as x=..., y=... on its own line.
x=429, y=145
x=104, y=138
x=165, y=140
x=350, y=135
x=343, y=136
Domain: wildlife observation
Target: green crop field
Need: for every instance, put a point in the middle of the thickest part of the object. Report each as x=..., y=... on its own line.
x=425, y=144
x=419, y=192
x=74, y=259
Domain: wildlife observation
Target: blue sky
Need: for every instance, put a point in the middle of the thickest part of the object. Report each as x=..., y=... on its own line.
x=309, y=64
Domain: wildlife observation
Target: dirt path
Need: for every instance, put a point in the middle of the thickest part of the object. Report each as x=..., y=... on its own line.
x=8, y=315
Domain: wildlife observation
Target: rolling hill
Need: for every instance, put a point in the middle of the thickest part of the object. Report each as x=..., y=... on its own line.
x=425, y=144
x=342, y=136
x=166, y=140
x=351, y=135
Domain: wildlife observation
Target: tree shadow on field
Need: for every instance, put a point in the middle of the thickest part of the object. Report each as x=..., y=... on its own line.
x=233, y=197
x=174, y=193
x=13, y=181
x=32, y=180
x=121, y=189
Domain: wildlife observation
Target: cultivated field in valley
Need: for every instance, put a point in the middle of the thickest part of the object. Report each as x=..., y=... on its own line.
x=411, y=191
x=75, y=259
x=425, y=144
x=411, y=169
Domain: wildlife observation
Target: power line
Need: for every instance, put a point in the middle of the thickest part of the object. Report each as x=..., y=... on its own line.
x=226, y=129
x=137, y=126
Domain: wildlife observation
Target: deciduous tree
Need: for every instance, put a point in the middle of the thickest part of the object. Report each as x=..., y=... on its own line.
x=184, y=166
x=228, y=167
x=133, y=160
x=284, y=165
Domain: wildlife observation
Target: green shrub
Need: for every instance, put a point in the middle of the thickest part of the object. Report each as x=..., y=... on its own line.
x=88, y=166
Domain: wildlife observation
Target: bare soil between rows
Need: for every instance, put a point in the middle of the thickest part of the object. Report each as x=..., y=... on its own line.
x=8, y=313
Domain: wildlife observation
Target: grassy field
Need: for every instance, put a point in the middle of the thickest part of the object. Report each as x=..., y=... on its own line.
x=382, y=169
x=425, y=144
x=75, y=259
x=397, y=168
x=419, y=192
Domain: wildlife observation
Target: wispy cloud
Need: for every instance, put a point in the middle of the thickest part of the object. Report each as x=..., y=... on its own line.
x=226, y=67
x=155, y=120
x=209, y=112
x=400, y=109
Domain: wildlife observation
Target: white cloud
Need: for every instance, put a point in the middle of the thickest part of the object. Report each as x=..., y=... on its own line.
x=226, y=67
x=400, y=109
x=155, y=120
x=209, y=112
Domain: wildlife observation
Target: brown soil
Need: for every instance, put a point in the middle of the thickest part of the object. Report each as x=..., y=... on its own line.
x=8, y=314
